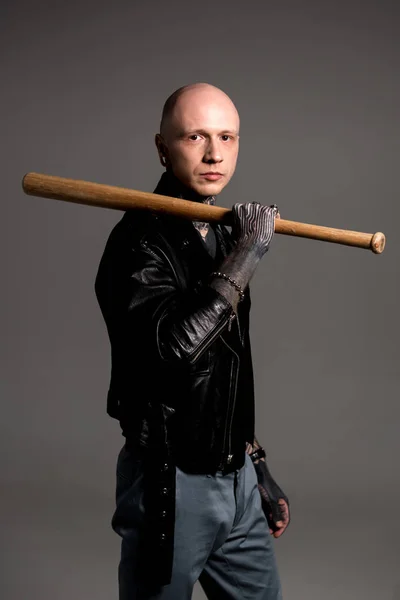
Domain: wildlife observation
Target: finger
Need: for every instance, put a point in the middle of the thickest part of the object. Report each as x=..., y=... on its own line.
x=274, y=207
x=278, y=533
x=264, y=208
x=284, y=514
x=271, y=523
x=284, y=508
x=277, y=514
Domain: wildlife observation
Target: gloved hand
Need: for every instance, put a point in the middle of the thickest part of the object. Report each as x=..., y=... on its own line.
x=275, y=503
x=253, y=225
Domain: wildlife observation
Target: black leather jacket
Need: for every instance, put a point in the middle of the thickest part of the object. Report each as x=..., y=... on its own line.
x=181, y=371
x=175, y=341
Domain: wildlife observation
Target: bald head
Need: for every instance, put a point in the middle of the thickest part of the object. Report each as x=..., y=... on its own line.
x=189, y=96
x=199, y=137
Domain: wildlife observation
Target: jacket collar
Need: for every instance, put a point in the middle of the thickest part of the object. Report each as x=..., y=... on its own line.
x=183, y=230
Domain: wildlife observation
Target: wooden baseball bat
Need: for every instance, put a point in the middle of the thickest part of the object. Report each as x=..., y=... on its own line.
x=108, y=196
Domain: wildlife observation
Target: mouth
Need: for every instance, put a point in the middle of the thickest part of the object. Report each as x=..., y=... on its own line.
x=211, y=175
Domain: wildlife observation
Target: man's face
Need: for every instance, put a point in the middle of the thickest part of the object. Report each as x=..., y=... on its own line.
x=201, y=140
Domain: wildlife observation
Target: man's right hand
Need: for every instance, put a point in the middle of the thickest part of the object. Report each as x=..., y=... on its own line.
x=253, y=226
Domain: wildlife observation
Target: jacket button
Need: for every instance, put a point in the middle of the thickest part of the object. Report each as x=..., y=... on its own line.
x=165, y=467
x=165, y=491
x=163, y=537
x=164, y=513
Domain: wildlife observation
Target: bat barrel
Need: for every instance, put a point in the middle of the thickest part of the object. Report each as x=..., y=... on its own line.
x=369, y=241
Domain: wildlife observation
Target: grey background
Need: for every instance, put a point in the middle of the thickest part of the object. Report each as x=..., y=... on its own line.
x=317, y=87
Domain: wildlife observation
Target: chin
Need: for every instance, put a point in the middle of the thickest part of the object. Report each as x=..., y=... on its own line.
x=211, y=188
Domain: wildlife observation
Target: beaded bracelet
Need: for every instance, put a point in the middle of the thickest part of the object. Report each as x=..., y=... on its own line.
x=231, y=281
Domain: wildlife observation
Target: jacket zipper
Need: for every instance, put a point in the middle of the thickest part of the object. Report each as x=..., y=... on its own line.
x=209, y=338
x=230, y=414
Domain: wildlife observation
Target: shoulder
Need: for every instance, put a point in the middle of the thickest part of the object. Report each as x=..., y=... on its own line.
x=133, y=226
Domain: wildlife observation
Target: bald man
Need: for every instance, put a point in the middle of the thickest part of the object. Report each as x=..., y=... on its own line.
x=194, y=497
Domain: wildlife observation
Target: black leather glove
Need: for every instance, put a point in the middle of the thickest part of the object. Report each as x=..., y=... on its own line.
x=270, y=493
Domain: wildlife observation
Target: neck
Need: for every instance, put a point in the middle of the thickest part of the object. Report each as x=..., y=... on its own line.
x=172, y=186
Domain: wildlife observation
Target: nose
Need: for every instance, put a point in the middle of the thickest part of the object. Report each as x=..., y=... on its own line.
x=213, y=153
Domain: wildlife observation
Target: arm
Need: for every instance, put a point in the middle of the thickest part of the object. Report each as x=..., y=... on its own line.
x=148, y=317
x=253, y=228
x=180, y=326
x=186, y=324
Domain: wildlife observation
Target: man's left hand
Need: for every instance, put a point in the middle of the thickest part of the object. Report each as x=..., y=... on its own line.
x=275, y=503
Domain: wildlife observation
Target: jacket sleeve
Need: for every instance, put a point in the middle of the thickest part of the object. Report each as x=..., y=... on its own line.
x=180, y=325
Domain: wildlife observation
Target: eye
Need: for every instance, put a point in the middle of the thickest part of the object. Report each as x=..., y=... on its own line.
x=193, y=137
x=226, y=137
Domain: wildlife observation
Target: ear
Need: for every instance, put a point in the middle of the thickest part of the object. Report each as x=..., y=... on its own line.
x=162, y=150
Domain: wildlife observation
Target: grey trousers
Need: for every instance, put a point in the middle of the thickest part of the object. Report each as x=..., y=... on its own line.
x=222, y=537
